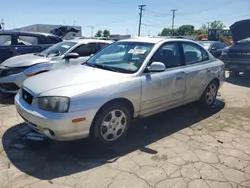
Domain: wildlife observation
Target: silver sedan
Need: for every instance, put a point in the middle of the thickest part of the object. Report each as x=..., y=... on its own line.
x=15, y=70
x=130, y=78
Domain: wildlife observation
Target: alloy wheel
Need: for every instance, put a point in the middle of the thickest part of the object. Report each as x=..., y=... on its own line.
x=113, y=125
x=211, y=93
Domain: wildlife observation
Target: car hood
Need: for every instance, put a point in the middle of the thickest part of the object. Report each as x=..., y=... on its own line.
x=240, y=30
x=25, y=60
x=72, y=80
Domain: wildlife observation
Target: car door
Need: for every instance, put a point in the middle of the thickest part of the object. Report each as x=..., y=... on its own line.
x=27, y=44
x=84, y=51
x=7, y=46
x=163, y=90
x=196, y=68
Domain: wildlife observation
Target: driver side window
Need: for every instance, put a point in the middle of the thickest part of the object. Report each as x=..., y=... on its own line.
x=86, y=49
x=168, y=54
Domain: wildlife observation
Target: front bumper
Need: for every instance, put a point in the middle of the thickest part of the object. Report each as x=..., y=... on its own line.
x=56, y=126
x=12, y=83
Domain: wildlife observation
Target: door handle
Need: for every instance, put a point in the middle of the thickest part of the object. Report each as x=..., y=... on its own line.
x=179, y=78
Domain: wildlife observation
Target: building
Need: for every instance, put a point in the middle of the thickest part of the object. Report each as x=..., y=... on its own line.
x=45, y=28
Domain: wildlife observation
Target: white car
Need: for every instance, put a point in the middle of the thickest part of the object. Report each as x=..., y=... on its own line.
x=15, y=70
x=129, y=78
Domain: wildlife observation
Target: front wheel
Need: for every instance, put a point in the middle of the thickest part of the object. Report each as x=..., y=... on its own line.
x=209, y=96
x=111, y=124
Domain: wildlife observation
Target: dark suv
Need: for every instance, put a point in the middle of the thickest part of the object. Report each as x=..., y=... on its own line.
x=237, y=56
x=14, y=43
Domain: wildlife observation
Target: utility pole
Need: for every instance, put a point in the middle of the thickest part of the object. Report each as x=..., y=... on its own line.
x=148, y=32
x=173, y=10
x=2, y=24
x=92, y=31
x=208, y=25
x=141, y=8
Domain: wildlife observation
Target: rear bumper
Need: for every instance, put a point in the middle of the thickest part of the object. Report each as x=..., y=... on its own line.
x=12, y=83
x=236, y=64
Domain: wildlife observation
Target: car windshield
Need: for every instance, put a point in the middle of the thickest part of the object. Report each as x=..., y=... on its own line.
x=205, y=45
x=125, y=57
x=244, y=41
x=57, y=49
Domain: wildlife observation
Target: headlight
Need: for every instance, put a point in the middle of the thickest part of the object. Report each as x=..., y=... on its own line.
x=54, y=104
x=14, y=71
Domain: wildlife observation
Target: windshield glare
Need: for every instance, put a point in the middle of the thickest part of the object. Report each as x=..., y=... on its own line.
x=57, y=49
x=125, y=57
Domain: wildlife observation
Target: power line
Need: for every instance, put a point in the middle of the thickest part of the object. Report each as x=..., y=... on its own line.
x=173, y=10
x=141, y=8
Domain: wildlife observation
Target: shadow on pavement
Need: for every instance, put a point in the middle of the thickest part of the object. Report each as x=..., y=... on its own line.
x=241, y=80
x=6, y=99
x=47, y=160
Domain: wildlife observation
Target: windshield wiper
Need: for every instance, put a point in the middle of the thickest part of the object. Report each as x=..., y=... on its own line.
x=105, y=67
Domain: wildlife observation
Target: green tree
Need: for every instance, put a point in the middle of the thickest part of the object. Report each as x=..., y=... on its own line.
x=166, y=32
x=186, y=30
x=98, y=34
x=217, y=25
x=203, y=29
x=106, y=33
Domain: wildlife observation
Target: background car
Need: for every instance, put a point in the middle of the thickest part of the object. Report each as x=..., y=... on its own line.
x=214, y=47
x=14, y=43
x=15, y=70
x=127, y=79
x=237, y=56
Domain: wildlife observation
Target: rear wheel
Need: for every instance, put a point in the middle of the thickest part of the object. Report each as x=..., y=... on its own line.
x=111, y=124
x=210, y=94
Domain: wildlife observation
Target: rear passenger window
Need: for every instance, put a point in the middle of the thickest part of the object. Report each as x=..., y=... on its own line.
x=222, y=45
x=192, y=53
x=27, y=40
x=168, y=54
x=205, y=56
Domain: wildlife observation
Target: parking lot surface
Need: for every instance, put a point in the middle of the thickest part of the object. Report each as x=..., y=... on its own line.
x=185, y=147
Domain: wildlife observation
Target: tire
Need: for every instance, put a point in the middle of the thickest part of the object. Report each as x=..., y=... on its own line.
x=209, y=95
x=111, y=124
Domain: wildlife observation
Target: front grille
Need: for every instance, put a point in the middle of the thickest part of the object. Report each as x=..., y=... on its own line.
x=27, y=96
x=9, y=86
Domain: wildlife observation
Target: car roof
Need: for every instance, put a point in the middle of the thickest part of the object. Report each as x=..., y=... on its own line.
x=154, y=40
x=86, y=41
x=27, y=32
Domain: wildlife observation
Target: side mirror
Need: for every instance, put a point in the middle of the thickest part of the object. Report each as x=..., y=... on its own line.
x=156, y=67
x=71, y=56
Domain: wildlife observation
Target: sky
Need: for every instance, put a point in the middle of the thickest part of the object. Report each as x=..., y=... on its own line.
x=122, y=17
